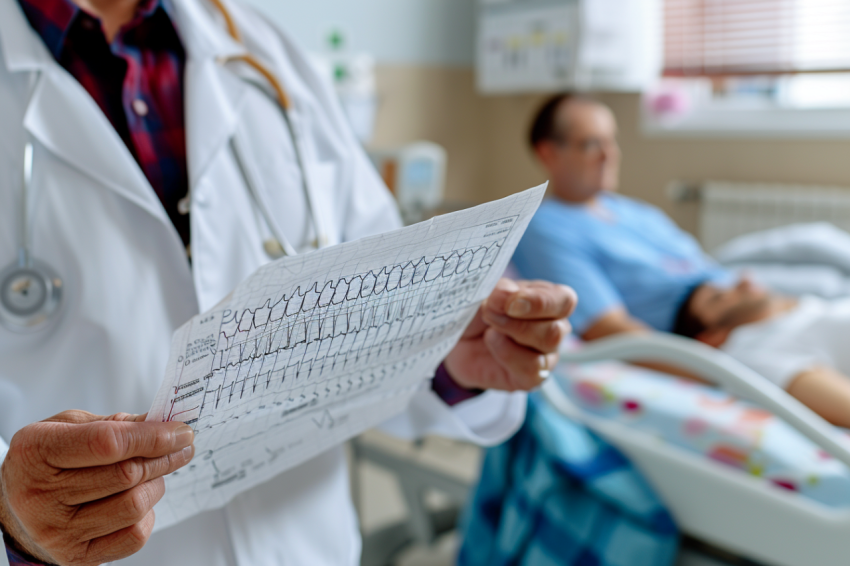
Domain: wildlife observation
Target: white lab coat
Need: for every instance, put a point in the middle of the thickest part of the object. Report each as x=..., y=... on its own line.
x=128, y=286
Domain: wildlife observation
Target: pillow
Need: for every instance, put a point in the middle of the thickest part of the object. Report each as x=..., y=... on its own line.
x=813, y=243
x=823, y=281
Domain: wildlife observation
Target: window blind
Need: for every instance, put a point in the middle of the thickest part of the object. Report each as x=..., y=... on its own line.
x=755, y=37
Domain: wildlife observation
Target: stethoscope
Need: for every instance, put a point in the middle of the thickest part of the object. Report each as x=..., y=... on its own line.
x=277, y=245
x=31, y=291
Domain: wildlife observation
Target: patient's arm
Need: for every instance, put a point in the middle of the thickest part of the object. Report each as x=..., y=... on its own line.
x=826, y=392
x=614, y=321
x=618, y=321
x=822, y=389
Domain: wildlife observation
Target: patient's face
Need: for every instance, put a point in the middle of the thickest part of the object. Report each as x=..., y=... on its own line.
x=729, y=308
x=586, y=158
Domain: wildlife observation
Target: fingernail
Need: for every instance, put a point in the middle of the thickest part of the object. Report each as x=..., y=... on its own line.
x=184, y=435
x=498, y=319
x=566, y=328
x=187, y=453
x=519, y=307
x=546, y=363
x=570, y=291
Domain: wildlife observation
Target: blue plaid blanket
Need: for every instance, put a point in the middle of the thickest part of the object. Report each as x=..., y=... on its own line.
x=556, y=494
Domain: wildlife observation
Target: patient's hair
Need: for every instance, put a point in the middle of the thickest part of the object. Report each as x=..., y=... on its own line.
x=687, y=324
x=545, y=125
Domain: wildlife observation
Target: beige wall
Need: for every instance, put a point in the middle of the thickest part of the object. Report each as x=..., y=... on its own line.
x=439, y=105
x=485, y=139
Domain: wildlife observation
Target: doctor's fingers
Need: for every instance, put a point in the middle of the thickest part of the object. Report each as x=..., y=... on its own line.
x=112, y=514
x=543, y=336
x=476, y=327
x=90, y=484
x=100, y=443
x=115, y=546
x=532, y=300
x=524, y=366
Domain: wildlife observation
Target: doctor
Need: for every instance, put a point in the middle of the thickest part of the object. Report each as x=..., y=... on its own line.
x=148, y=134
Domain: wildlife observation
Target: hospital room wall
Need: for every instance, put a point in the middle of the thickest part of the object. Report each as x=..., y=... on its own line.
x=426, y=90
x=485, y=138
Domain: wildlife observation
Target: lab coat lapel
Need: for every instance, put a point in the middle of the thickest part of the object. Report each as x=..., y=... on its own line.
x=22, y=50
x=66, y=120
x=213, y=97
x=212, y=93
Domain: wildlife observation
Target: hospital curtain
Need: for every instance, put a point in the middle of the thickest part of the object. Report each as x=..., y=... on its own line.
x=717, y=38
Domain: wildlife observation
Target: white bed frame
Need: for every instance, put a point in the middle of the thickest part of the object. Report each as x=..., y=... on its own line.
x=710, y=501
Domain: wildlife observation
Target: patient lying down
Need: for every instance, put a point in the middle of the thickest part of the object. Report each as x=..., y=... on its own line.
x=802, y=345
x=633, y=267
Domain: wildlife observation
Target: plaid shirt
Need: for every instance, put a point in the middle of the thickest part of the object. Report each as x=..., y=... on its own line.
x=137, y=81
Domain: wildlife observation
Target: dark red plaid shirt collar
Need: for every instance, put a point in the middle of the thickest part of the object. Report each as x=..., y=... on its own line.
x=52, y=19
x=137, y=80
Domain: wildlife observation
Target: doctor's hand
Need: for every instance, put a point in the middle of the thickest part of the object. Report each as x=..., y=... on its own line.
x=79, y=488
x=513, y=340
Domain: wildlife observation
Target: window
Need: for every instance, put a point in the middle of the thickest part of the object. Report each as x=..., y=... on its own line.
x=751, y=65
x=722, y=38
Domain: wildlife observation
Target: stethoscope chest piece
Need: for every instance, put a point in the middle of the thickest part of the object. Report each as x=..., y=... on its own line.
x=29, y=296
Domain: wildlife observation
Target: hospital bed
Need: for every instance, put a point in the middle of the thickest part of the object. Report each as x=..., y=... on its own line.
x=759, y=475
x=770, y=485
x=767, y=519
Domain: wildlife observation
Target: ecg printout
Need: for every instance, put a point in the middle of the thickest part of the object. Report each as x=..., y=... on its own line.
x=314, y=349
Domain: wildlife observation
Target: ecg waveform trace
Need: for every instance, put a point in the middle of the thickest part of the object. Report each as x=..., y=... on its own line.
x=312, y=350
x=335, y=328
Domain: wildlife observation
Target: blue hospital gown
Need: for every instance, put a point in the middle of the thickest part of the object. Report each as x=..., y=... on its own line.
x=617, y=252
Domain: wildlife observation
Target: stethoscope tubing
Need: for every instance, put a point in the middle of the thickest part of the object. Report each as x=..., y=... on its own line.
x=321, y=235
x=281, y=98
x=26, y=182
x=306, y=184
x=27, y=277
x=256, y=196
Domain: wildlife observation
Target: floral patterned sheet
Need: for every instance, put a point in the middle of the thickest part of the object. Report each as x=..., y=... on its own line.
x=708, y=421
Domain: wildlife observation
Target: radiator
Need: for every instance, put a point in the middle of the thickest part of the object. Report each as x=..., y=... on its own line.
x=730, y=209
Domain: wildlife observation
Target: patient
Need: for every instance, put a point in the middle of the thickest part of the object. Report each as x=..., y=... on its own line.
x=629, y=263
x=634, y=269
x=801, y=345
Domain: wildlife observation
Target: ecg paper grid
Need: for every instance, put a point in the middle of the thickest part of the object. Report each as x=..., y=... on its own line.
x=314, y=349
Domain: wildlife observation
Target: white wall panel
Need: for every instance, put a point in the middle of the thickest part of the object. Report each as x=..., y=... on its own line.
x=423, y=32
